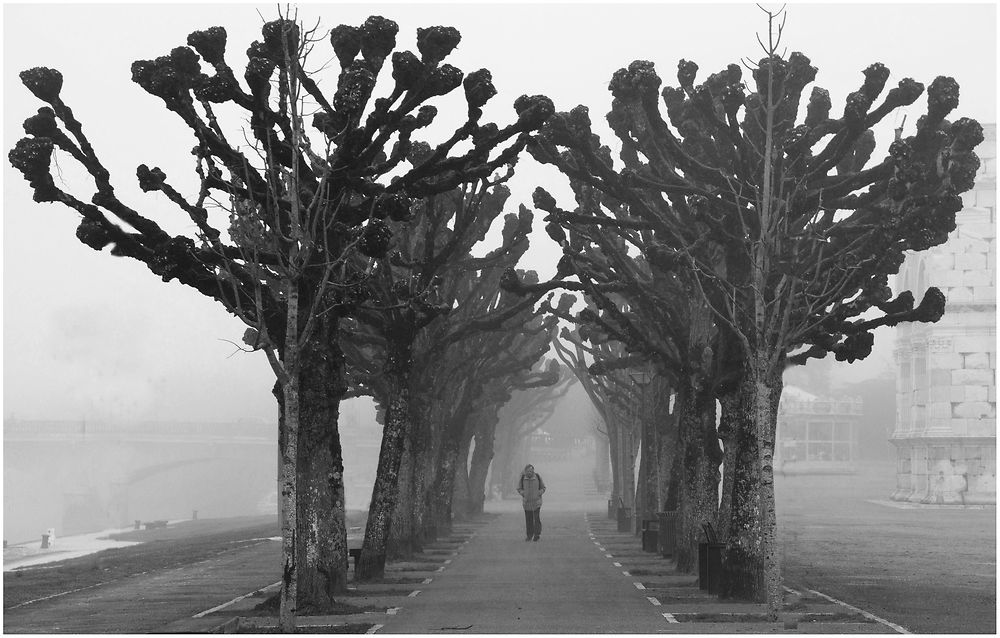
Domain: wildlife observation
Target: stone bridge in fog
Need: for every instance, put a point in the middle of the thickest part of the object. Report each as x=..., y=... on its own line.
x=78, y=477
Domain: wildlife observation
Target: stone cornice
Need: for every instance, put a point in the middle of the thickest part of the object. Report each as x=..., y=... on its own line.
x=938, y=440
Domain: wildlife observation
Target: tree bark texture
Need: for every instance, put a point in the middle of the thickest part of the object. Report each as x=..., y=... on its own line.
x=482, y=456
x=423, y=448
x=765, y=388
x=287, y=606
x=699, y=471
x=743, y=567
x=444, y=485
x=602, y=462
x=460, y=498
x=648, y=468
x=729, y=431
x=401, y=528
x=666, y=433
x=615, y=447
x=385, y=491
x=632, y=439
x=321, y=528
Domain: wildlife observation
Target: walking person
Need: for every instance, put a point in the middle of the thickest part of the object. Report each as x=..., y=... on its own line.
x=531, y=487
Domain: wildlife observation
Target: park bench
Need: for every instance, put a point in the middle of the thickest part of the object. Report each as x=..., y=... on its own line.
x=155, y=524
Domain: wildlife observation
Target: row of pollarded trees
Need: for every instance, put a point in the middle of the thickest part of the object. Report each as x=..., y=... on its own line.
x=725, y=242
x=440, y=383
x=734, y=236
x=526, y=406
x=344, y=243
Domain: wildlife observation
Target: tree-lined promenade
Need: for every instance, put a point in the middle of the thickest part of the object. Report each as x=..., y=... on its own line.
x=926, y=570
x=732, y=233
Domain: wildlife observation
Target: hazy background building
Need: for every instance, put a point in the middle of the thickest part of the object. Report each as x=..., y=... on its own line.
x=945, y=434
x=817, y=434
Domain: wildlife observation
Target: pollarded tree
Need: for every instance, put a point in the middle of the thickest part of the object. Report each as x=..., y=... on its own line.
x=652, y=312
x=497, y=359
x=520, y=405
x=483, y=314
x=341, y=189
x=789, y=229
x=532, y=399
x=430, y=259
x=611, y=391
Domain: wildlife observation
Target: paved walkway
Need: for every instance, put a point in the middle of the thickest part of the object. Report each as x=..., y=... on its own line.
x=499, y=583
x=149, y=602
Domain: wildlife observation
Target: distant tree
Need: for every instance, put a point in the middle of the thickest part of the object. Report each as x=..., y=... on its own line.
x=408, y=291
x=610, y=392
x=525, y=403
x=664, y=327
x=790, y=234
x=496, y=362
x=455, y=365
x=430, y=295
x=345, y=184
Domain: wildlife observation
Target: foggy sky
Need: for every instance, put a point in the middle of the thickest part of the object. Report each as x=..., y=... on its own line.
x=90, y=336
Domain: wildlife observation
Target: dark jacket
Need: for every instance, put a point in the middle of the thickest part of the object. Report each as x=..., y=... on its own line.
x=531, y=490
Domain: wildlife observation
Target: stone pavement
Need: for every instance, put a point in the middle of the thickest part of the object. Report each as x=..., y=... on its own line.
x=500, y=583
x=583, y=576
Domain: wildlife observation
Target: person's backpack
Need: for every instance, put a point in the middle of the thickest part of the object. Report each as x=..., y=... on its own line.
x=541, y=483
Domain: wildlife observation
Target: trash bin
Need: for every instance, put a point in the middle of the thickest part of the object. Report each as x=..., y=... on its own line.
x=624, y=519
x=667, y=542
x=650, y=534
x=710, y=561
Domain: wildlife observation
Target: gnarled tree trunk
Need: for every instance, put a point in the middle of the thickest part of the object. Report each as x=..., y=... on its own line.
x=482, y=456
x=461, y=498
x=401, y=527
x=764, y=386
x=320, y=537
x=602, y=461
x=729, y=430
x=444, y=484
x=743, y=568
x=321, y=529
x=371, y=562
x=423, y=469
x=699, y=471
x=667, y=432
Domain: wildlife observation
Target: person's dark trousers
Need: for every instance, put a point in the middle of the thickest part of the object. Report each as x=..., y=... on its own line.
x=533, y=524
